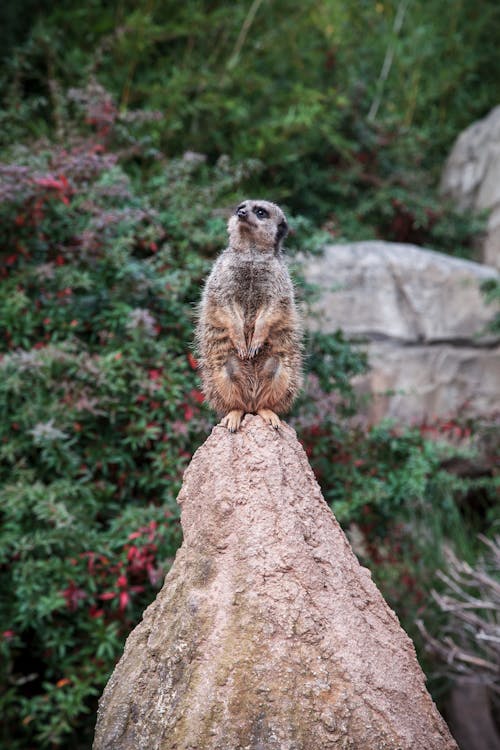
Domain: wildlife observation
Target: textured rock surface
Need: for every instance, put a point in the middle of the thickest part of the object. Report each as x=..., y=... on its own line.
x=471, y=177
x=421, y=313
x=268, y=634
x=388, y=290
x=416, y=384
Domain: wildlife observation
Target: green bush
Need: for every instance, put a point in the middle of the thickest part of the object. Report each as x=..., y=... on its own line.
x=292, y=85
x=491, y=291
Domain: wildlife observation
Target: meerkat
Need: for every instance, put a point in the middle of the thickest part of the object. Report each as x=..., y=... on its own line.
x=249, y=331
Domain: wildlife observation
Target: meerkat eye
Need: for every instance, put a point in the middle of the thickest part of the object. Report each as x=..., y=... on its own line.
x=261, y=213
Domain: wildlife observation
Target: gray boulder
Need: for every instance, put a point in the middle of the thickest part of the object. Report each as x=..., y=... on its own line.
x=424, y=321
x=417, y=384
x=471, y=177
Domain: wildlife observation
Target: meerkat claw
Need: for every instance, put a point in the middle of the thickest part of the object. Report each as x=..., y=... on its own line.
x=270, y=417
x=253, y=350
x=242, y=353
x=233, y=420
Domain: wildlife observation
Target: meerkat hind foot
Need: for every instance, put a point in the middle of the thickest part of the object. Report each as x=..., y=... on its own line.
x=270, y=417
x=233, y=420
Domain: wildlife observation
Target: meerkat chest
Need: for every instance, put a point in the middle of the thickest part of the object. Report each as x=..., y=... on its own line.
x=255, y=283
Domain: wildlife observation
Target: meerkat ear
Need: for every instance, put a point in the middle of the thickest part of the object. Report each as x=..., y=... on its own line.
x=281, y=233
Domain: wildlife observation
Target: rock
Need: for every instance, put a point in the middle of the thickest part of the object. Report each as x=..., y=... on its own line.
x=386, y=290
x=424, y=320
x=471, y=177
x=417, y=384
x=268, y=634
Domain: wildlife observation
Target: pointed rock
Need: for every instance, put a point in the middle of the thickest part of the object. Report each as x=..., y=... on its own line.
x=267, y=634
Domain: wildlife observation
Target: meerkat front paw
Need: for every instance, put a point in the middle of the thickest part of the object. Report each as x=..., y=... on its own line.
x=233, y=420
x=270, y=417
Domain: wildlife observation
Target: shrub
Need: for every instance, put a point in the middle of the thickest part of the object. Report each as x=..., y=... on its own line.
x=291, y=85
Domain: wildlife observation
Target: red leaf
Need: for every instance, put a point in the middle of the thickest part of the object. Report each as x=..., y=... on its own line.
x=198, y=396
x=49, y=182
x=72, y=594
x=124, y=600
x=107, y=595
x=137, y=589
x=132, y=551
x=193, y=363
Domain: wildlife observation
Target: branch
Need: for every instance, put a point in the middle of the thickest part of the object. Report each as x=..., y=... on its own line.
x=234, y=56
x=389, y=57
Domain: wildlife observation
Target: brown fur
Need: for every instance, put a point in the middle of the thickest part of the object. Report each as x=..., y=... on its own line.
x=249, y=332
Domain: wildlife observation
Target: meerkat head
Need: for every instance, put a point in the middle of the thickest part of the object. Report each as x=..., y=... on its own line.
x=257, y=225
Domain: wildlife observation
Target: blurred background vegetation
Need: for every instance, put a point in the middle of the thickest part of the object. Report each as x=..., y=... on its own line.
x=128, y=130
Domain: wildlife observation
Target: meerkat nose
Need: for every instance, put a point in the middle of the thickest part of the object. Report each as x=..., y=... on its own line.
x=241, y=212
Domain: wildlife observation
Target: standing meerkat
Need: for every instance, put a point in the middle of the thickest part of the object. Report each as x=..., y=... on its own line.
x=249, y=331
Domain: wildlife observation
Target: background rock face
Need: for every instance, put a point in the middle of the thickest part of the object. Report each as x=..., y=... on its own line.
x=421, y=313
x=424, y=383
x=471, y=177
x=267, y=634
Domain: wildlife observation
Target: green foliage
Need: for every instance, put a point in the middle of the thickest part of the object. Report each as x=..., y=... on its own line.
x=491, y=291
x=292, y=85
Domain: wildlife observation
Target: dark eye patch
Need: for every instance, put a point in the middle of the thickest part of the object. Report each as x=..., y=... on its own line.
x=260, y=212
